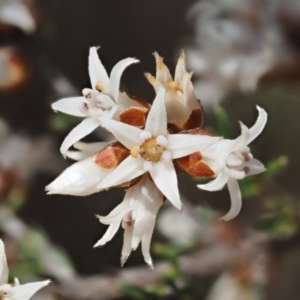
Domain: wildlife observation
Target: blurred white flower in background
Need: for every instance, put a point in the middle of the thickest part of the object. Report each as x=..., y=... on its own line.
x=235, y=44
x=17, y=13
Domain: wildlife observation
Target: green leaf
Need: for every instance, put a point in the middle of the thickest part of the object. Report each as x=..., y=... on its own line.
x=224, y=124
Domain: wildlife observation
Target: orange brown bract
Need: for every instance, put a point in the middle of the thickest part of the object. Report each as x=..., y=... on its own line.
x=135, y=116
x=192, y=164
x=111, y=156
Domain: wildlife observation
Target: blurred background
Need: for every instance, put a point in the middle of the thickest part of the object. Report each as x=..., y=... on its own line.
x=243, y=54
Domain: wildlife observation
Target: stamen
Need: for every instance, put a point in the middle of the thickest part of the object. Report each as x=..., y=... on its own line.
x=87, y=93
x=161, y=141
x=145, y=135
x=148, y=165
x=99, y=86
x=166, y=156
x=135, y=152
x=176, y=86
x=247, y=156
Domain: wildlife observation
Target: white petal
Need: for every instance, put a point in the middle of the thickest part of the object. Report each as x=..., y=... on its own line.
x=77, y=155
x=91, y=148
x=233, y=160
x=157, y=118
x=255, y=167
x=3, y=265
x=118, y=213
x=80, y=179
x=126, y=249
x=104, y=101
x=162, y=72
x=26, y=291
x=184, y=144
x=236, y=200
x=80, y=131
x=109, y=234
x=69, y=106
x=17, y=14
x=16, y=281
x=126, y=134
x=180, y=68
x=258, y=127
x=216, y=184
x=146, y=241
x=129, y=168
x=165, y=178
x=116, y=73
x=96, y=69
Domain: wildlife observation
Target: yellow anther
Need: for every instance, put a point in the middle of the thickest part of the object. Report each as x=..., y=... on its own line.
x=135, y=152
x=99, y=86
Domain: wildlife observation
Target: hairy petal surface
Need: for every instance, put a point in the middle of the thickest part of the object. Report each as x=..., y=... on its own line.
x=80, y=179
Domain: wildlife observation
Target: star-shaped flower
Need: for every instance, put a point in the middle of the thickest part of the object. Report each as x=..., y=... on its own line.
x=16, y=291
x=102, y=100
x=152, y=150
x=182, y=106
x=231, y=160
x=137, y=214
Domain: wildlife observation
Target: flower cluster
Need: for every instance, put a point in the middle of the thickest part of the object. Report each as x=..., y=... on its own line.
x=15, y=291
x=152, y=145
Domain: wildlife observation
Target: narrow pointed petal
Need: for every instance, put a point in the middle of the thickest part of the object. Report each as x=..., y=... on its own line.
x=236, y=200
x=126, y=249
x=258, y=127
x=255, y=167
x=216, y=184
x=3, y=265
x=152, y=80
x=91, y=148
x=109, y=234
x=16, y=281
x=180, y=69
x=157, y=118
x=80, y=179
x=26, y=291
x=165, y=178
x=126, y=134
x=116, y=73
x=119, y=212
x=97, y=70
x=184, y=144
x=162, y=72
x=129, y=168
x=80, y=131
x=77, y=155
x=69, y=106
x=146, y=241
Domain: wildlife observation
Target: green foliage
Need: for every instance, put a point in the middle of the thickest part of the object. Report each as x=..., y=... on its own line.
x=224, y=124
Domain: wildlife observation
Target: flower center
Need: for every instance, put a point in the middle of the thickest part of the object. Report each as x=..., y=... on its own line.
x=149, y=150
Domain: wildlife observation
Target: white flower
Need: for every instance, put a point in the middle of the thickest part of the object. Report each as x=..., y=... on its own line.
x=81, y=178
x=137, y=214
x=152, y=150
x=103, y=99
x=231, y=160
x=180, y=99
x=17, y=291
x=16, y=13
